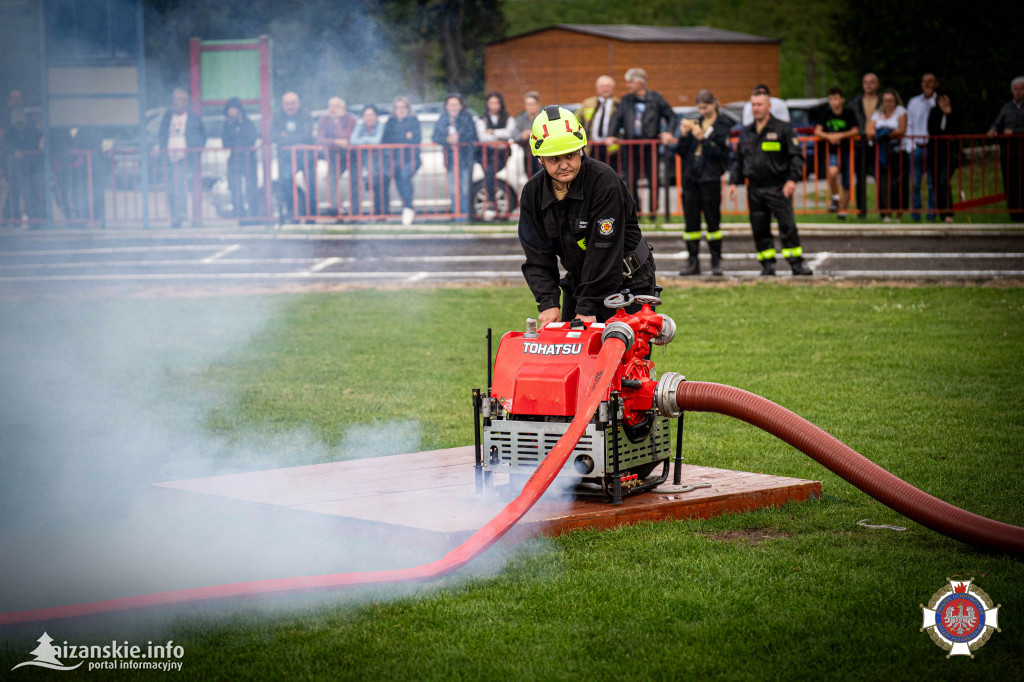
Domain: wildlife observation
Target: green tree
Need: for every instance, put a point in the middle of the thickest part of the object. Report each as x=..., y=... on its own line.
x=974, y=52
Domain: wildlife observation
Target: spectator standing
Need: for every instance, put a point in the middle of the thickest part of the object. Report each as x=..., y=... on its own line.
x=704, y=148
x=240, y=136
x=334, y=131
x=768, y=155
x=14, y=143
x=293, y=127
x=918, y=109
x=369, y=132
x=15, y=103
x=864, y=106
x=402, y=128
x=456, y=130
x=779, y=110
x=524, y=123
x=10, y=175
x=182, y=139
x=887, y=128
x=496, y=130
x=1011, y=150
x=838, y=127
x=641, y=115
x=944, y=150
x=595, y=115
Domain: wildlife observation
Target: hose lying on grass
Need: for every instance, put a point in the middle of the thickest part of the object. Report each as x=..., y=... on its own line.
x=841, y=459
x=609, y=357
x=694, y=396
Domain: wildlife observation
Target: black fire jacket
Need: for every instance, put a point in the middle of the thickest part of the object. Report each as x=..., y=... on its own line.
x=590, y=231
x=768, y=158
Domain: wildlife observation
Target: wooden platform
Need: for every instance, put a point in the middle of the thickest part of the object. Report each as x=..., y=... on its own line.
x=433, y=493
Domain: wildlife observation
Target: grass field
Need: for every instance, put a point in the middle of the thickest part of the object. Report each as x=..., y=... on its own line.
x=925, y=381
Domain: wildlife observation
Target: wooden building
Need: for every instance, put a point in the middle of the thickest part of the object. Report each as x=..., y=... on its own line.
x=563, y=61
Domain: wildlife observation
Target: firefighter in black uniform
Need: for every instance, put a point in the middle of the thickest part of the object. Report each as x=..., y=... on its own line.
x=578, y=210
x=769, y=156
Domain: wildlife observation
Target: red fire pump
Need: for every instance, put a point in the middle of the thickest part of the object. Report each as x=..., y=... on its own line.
x=540, y=377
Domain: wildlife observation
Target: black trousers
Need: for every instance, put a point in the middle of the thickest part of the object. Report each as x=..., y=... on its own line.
x=863, y=166
x=764, y=202
x=1011, y=158
x=702, y=197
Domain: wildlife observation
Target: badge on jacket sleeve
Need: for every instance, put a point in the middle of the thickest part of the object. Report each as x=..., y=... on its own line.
x=606, y=227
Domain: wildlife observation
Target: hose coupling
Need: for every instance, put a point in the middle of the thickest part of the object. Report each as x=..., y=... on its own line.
x=619, y=330
x=665, y=398
x=667, y=333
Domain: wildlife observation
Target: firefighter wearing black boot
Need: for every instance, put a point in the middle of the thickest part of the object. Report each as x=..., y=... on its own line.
x=703, y=148
x=769, y=157
x=578, y=211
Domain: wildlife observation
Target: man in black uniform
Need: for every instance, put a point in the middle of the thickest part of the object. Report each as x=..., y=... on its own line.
x=769, y=156
x=578, y=211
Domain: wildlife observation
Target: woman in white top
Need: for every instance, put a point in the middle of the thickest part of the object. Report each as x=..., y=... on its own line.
x=495, y=130
x=886, y=130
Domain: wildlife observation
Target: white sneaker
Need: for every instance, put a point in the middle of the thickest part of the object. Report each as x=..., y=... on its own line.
x=407, y=216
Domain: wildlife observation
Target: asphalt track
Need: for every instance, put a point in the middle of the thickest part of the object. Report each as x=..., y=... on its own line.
x=55, y=262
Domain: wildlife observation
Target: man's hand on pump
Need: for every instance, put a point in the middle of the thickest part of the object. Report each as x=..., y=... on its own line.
x=548, y=316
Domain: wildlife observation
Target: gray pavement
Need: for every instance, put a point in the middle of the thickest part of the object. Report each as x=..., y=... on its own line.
x=77, y=260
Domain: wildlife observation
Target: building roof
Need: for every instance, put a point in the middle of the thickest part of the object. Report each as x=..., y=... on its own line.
x=632, y=33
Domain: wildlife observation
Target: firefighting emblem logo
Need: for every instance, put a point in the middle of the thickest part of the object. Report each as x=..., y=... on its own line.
x=960, y=618
x=606, y=226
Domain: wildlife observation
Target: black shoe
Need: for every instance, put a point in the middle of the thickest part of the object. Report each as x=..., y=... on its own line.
x=767, y=268
x=692, y=268
x=800, y=268
x=716, y=268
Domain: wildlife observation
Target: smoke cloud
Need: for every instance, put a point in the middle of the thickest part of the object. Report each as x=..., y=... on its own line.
x=101, y=398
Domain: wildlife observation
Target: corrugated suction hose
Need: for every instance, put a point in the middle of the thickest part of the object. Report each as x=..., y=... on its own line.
x=893, y=492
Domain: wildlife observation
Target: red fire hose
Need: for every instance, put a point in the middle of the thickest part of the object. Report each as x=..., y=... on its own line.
x=607, y=359
x=895, y=493
x=691, y=396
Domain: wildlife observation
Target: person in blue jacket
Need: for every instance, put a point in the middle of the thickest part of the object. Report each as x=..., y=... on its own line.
x=456, y=130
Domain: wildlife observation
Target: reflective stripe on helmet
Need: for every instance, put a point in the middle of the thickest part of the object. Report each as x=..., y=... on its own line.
x=553, y=141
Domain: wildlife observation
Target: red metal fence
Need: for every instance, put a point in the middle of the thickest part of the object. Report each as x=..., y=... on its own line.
x=214, y=186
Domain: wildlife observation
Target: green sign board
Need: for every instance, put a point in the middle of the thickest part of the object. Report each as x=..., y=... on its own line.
x=230, y=73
